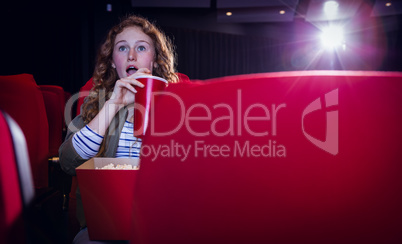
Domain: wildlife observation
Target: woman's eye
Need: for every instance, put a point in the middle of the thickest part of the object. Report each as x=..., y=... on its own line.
x=141, y=48
x=122, y=48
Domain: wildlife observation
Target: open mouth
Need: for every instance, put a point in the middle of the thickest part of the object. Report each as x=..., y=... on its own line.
x=131, y=70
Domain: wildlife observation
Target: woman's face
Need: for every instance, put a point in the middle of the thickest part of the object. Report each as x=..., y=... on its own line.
x=132, y=50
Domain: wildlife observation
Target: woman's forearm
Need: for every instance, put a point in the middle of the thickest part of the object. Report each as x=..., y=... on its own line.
x=102, y=120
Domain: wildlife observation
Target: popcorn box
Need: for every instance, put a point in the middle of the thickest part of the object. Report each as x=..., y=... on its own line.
x=107, y=196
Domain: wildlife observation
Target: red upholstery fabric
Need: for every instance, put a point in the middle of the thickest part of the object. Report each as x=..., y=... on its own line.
x=57, y=90
x=10, y=193
x=22, y=99
x=55, y=119
x=183, y=78
x=67, y=96
x=16, y=186
x=252, y=175
x=61, y=96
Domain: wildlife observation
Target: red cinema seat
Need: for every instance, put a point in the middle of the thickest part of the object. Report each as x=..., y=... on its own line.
x=16, y=186
x=183, y=78
x=57, y=90
x=57, y=177
x=67, y=96
x=61, y=96
x=22, y=99
x=289, y=157
x=54, y=115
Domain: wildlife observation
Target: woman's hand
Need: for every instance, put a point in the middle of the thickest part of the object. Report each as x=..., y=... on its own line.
x=124, y=91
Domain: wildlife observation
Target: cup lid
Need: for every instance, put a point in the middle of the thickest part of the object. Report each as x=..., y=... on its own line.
x=152, y=77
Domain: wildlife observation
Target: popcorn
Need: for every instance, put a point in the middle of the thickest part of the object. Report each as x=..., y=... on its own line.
x=119, y=166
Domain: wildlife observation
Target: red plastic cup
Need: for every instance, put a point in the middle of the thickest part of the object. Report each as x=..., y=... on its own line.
x=144, y=101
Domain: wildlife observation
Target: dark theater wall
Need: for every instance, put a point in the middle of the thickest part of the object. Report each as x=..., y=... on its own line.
x=44, y=39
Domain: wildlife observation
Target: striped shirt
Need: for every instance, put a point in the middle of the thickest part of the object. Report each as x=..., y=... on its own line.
x=87, y=142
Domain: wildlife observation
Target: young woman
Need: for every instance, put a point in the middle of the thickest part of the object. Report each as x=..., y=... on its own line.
x=132, y=48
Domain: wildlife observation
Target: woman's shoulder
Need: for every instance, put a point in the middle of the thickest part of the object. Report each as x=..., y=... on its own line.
x=76, y=124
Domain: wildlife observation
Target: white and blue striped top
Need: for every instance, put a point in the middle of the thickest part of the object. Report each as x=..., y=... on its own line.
x=87, y=142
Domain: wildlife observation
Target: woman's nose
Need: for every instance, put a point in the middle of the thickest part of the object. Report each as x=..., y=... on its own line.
x=131, y=55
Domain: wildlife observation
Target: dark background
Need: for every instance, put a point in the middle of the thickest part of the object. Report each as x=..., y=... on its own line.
x=57, y=41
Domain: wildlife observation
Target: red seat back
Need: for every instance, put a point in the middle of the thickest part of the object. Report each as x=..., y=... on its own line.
x=22, y=99
x=16, y=188
x=61, y=97
x=54, y=112
x=292, y=157
x=67, y=96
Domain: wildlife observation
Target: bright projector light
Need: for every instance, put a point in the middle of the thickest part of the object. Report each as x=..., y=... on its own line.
x=331, y=8
x=332, y=37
